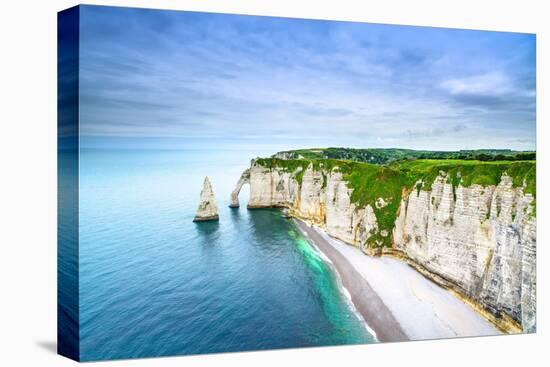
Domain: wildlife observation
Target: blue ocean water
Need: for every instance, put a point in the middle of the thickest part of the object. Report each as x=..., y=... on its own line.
x=153, y=283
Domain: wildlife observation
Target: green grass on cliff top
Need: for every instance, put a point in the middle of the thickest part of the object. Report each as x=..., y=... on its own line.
x=467, y=173
x=371, y=181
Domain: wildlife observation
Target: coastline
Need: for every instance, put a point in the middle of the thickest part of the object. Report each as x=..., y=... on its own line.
x=395, y=300
x=367, y=302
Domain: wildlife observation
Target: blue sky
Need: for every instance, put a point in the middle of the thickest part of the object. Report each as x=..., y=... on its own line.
x=172, y=79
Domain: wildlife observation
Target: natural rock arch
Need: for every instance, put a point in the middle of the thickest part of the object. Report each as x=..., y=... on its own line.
x=244, y=179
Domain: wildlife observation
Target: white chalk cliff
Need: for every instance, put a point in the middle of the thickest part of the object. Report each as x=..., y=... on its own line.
x=484, y=242
x=207, y=210
x=480, y=240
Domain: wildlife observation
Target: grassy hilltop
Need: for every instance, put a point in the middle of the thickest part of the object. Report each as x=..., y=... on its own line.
x=388, y=155
x=387, y=173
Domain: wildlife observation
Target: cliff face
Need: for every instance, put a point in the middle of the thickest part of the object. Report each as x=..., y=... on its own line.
x=480, y=239
x=483, y=241
x=320, y=197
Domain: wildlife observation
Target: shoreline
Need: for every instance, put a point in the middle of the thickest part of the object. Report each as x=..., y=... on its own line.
x=366, y=301
x=396, y=301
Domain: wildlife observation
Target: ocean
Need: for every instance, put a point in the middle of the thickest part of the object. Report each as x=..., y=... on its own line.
x=154, y=283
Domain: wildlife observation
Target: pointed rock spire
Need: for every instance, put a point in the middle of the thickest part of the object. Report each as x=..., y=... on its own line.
x=208, y=210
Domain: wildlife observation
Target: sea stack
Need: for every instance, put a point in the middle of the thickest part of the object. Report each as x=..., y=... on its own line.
x=208, y=210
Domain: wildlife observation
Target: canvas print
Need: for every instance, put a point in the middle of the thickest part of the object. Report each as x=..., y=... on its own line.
x=234, y=183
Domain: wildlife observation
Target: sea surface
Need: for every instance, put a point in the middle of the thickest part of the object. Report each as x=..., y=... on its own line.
x=153, y=283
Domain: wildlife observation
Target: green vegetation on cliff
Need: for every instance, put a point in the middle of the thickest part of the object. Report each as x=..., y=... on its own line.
x=370, y=182
x=298, y=166
x=467, y=173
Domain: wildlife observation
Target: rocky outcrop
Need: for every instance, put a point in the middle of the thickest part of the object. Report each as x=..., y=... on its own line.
x=480, y=240
x=207, y=210
x=244, y=179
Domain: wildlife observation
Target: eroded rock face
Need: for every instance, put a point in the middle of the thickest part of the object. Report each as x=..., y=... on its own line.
x=311, y=203
x=261, y=186
x=208, y=210
x=483, y=240
x=343, y=219
x=322, y=198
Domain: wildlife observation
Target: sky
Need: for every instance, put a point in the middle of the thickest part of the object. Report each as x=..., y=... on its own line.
x=173, y=79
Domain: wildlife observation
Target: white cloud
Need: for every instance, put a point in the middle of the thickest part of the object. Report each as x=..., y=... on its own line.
x=350, y=85
x=493, y=83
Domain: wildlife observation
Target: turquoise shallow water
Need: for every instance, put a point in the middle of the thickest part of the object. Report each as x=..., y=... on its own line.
x=153, y=283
